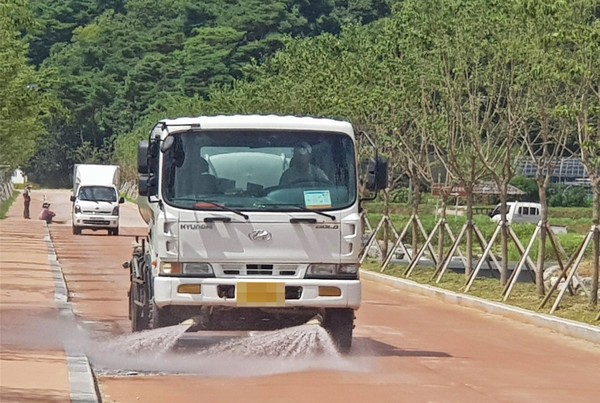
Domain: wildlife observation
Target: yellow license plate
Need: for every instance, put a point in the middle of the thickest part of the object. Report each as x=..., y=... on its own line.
x=260, y=294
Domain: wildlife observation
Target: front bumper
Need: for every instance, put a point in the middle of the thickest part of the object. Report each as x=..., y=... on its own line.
x=166, y=292
x=95, y=221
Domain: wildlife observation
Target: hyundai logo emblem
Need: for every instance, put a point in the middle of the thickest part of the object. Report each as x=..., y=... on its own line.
x=260, y=235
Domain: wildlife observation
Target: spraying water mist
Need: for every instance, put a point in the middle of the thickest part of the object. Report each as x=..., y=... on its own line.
x=153, y=352
x=307, y=340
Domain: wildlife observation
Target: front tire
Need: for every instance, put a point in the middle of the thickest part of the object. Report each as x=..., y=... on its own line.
x=140, y=318
x=139, y=291
x=76, y=230
x=339, y=323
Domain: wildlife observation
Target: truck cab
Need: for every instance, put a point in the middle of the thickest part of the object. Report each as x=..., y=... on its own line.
x=254, y=224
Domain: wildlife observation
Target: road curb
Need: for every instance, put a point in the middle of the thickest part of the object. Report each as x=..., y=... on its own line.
x=564, y=326
x=81, y=378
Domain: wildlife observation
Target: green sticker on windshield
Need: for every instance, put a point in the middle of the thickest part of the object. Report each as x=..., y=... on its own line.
x=317, y=199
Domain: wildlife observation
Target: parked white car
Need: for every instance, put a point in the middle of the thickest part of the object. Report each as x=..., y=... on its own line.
x=519, y=212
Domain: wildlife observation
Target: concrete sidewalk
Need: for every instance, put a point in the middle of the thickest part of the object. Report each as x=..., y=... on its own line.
x=32, y=367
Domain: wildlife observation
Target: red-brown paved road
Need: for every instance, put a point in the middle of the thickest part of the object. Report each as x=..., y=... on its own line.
x=408, y=348
x=31, y=369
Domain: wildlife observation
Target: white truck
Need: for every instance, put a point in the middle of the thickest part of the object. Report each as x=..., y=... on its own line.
x=234, y=244
x=96, y=198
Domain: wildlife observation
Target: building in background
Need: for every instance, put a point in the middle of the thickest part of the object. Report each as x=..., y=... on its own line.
x=567, y=171
x=18, y=177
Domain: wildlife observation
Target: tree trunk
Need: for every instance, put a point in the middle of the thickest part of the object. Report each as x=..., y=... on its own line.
x=504, y=233
x=386, y=230
x=416, y=200
x=541, y=259
x=596, y=222
x=470, y=232
x=442, y=236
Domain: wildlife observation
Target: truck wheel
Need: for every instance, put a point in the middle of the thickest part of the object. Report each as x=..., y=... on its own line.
x=113, y=231
x=76, y=230
x=339, y=322
x=139, y=315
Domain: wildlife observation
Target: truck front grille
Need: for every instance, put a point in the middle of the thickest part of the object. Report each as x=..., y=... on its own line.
x=259, y=269
x=287, y=270
x=96, y=212
x=96, y=222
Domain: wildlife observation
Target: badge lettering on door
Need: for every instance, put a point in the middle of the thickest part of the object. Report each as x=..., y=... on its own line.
x=327, y=226
x=194, y=227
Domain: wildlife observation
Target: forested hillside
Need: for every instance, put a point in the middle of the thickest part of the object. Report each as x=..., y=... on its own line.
x=114, y=62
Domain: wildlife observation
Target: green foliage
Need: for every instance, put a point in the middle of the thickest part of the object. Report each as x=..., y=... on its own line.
x=212, y=58
x=573, y=213
x=24, y=102
x=121, y=62
x=569, y=241
x=527, y=185
x=56, y=19
x=523, y=295
x=568, y=196
x=6, y=204
x=400, y=195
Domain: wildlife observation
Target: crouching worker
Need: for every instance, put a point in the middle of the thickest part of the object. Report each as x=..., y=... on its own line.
x=46, y=214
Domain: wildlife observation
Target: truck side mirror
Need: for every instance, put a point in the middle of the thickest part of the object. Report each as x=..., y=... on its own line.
x=143, y=157
x=377, y=174
x=72, y=198
x=143, y=185
x=148, y=156
x=121, y=200
x=147, y=185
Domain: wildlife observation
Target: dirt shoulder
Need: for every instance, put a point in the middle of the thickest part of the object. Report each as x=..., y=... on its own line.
x=32, y=367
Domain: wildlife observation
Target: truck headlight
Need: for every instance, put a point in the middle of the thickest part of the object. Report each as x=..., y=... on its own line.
x=198, y=269
x=332, y=270
x=169, y=268
x=186, y=269
x=77, y=208
x=115, y=211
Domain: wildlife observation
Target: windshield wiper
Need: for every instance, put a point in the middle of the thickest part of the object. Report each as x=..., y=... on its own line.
x=301, y=208
x=221, y=206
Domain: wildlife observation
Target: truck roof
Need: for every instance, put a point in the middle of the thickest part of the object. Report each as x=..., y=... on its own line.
x=259, y=122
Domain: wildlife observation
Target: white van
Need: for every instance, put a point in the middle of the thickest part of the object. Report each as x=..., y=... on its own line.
x=519, y=212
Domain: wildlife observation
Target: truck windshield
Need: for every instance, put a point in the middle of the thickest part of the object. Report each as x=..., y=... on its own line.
x=97, y=193
x=260, y=170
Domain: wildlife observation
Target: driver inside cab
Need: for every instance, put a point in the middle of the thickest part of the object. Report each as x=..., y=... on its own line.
x=301, y=170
